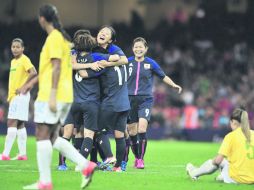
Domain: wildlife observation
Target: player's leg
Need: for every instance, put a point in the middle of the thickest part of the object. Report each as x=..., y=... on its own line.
x=224, y=174
x=133, y=133
x=18, y=110
x=10, y=138
x=126, y=153
x=144, y=114
x=119, y=129
x=207, y=167
x=21, y=139
x=67, y=133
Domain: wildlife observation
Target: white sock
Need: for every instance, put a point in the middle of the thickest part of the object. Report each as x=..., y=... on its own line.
x=67, y=150
x=22, y=138
x=9, y=140
x=206, y=168
x=44, y=156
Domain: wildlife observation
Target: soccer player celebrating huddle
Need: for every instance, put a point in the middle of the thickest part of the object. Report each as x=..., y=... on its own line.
x=21, y=73
x=54, y=100
x=141, y=71
x=235, y=157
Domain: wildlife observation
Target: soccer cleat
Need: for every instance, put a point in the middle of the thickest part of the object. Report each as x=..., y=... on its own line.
x=39, y=186
x=117, y=169
x=140, y=164
x=62, y=167
x=123, y=165
x=107, y=162
x=4, y=158
x=189, y=169
x=87, y=174
x=19, y=157
x=135, y=163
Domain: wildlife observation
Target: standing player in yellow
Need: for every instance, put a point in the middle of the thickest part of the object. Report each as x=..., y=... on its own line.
x=21, y=72
x=54, y=100
x=235, y=156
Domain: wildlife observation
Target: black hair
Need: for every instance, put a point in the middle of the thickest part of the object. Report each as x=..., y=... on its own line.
x=140, y=39
x=50, y=13
x=113, y=32
x=18, y=40
x=84, y=42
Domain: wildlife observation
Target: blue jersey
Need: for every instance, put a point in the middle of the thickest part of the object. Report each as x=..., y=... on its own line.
x=114, y=85
x=87, y=89
x=140, y=79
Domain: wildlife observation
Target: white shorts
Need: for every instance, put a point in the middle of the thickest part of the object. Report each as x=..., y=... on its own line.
x=19, y=107
x=225, y=172
x=42, y=113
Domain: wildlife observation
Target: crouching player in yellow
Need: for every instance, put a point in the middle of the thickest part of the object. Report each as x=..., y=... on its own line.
x=22, y=72
x=236, y=154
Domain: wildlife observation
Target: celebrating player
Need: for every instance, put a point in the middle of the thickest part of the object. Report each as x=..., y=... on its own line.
x=54, y=100
x=140, y=82
x=21, y=73
x=235, y=156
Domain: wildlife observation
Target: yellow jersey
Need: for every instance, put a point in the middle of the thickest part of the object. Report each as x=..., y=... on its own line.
x=240, y=155
x=55, y=47
x=18, y=74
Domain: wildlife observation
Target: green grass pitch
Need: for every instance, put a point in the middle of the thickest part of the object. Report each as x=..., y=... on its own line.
x=164, y=170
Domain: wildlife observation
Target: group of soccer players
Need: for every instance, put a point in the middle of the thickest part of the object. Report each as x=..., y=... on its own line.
x=101, y=94
x=92, y=87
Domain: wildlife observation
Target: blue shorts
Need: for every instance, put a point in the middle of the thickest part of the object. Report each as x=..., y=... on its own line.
x=140, y=108
x=111, y=120
x=85, y=113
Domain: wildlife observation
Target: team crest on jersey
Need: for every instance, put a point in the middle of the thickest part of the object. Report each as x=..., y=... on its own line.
x=147, y=66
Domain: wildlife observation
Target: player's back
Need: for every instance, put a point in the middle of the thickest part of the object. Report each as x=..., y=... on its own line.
x=87, y=89
x=241, y=157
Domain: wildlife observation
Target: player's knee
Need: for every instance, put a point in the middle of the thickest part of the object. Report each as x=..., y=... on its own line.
x=142, y=129
x=132, y=129
x=42, y=133
x=118, y=134
x=88, y=133
x=12, y=123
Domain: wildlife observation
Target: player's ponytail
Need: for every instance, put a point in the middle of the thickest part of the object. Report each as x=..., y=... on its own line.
x=50, y=13
x=245, y=126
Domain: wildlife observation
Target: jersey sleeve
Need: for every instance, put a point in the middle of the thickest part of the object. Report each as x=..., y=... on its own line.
x=157, y=69
x=116, y=50
x=55, y=47
x=27, y=64
x=225, y=147
x=100, y=56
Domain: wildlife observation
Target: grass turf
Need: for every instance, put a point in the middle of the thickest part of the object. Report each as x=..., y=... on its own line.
x=164, y=170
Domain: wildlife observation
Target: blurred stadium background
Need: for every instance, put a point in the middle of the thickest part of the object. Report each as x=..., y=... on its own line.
x=204, y=45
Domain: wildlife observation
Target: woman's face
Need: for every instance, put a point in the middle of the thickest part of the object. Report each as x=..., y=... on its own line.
x=17, y=49
x=139, y=49
x=104, y=36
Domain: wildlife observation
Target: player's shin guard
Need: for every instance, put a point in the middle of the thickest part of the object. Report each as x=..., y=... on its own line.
x=127, y=148
x=86, y=146
x=135, y=145
x=120, y=148
x=206, y=168
x=104, y=144
x=142, y=145
x=93, y=153
x=62, y=158
x=78, y=143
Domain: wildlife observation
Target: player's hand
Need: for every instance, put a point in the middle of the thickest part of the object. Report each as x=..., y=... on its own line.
x=103, y=63
x=96, y=66
x=179, y=88
x=52, y=101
